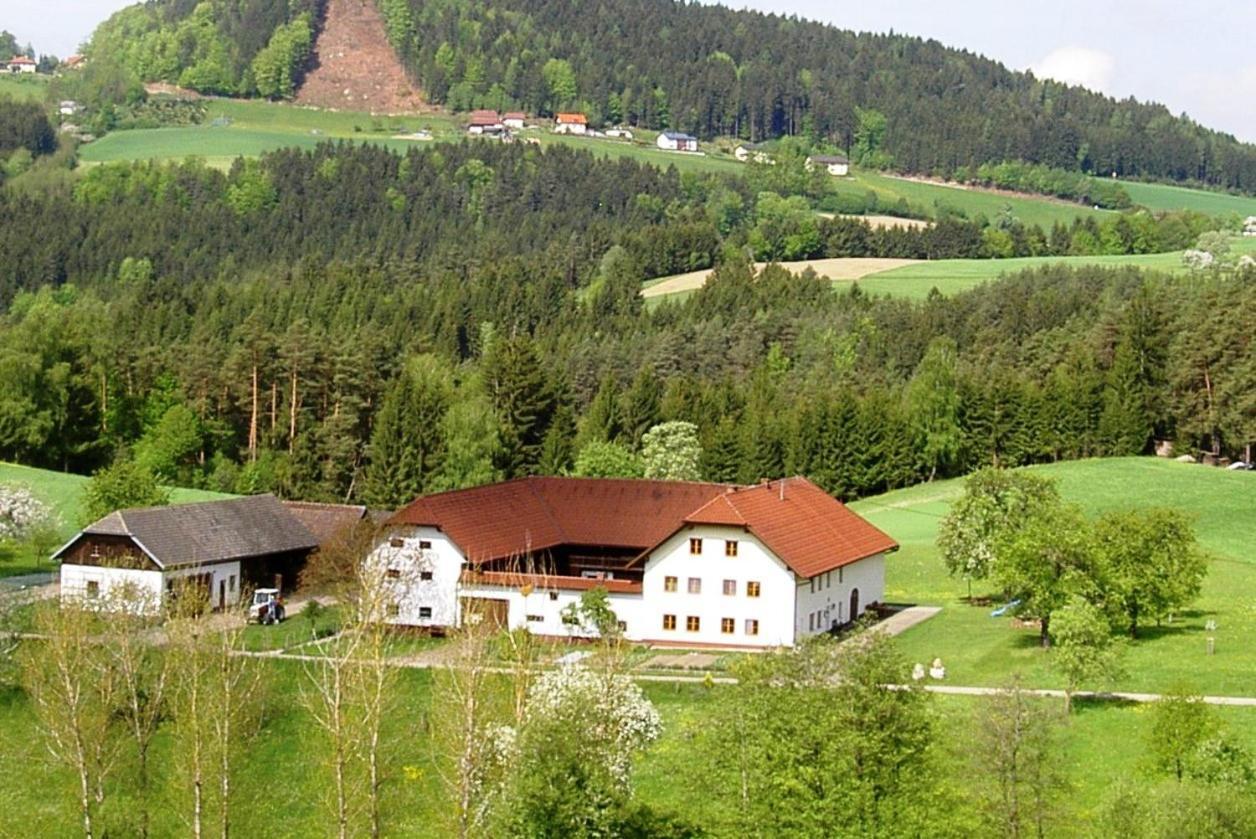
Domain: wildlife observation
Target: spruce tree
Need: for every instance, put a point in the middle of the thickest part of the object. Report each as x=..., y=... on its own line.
x=523, y=400
x=407, y=447
x=1124, y=427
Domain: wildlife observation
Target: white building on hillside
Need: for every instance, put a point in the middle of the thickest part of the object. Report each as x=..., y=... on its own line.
x=683, y=563
x=22, y=64
x=676, y=141
x=834, y=164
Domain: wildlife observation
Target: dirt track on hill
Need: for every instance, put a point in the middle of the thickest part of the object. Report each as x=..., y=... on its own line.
x=355, y=66
x=838, y=270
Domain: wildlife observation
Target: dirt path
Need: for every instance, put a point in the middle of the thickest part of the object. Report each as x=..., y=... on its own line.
x=838, y=270
x=355, y=66
x=878, y=221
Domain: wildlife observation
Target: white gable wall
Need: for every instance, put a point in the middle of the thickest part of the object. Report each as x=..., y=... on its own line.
x=773, y=608
x=825, y=599
x=540, y=610
x=420, y=602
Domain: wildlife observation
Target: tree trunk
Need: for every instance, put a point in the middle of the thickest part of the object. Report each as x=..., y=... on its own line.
x=253, y=420
x=292, y=413
x=1045, y=634
x=85, y=801
x=274, y=404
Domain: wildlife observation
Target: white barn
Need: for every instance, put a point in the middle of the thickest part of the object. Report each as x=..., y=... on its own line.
x=683, y=563
x=676, y=141
x=834, y=164
x=224, y=546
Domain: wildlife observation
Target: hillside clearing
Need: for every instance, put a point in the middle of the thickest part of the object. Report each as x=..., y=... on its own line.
x=1169, y=197
x=880, y=222
x=837, y=270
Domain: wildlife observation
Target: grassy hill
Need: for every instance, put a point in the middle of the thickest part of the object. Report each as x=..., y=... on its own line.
x=63, y=492
x=1168, y=197
x=980, y=650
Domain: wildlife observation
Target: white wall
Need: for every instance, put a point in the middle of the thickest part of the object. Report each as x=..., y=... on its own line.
x=145, y=585
x=773, y=608
x=412, y=593
x=827, y=599
x=548, y=605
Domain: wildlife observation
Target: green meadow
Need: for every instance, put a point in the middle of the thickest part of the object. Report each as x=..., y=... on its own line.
x=1168, y=197
x=33, y=86
x=63, y=493
x=978, y=649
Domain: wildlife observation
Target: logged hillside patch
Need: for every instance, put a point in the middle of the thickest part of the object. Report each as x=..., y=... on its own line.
x=354, y=65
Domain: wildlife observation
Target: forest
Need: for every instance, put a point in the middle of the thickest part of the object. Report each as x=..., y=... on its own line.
x=315, y=321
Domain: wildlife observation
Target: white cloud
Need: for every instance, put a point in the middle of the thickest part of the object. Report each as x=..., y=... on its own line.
x=1078, y=65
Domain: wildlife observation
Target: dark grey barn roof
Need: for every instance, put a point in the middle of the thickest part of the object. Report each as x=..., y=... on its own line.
x=211, y=531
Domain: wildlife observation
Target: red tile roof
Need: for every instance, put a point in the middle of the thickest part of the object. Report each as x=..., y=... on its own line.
x=807, y=528
x=21, y=59
x=579, y=119
x=515, y=115
x=514, y=518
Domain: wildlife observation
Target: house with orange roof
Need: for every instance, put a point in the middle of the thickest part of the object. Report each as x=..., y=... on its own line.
x=683, y=563
x=22, y=64
x=571, y=124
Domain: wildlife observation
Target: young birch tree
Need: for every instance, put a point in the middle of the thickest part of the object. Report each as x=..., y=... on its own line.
x=328, y=695
x=73, y=690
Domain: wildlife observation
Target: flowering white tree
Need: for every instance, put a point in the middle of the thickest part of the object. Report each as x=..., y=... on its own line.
x=1198, y=260
x=583, y=725
x=670, y=451
x=22, y=514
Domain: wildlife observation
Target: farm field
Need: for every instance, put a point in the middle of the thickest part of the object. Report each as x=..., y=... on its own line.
x=1168, y=197
x=915, y=279
x=980, y=650
x=63, y=493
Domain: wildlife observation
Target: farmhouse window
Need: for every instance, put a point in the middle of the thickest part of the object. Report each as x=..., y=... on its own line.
x=839, y=576
x=670, y=583
x=425, y=611
x=695, y=585
x=396, y=542
x=730, y=588
x=553, y=595
x=752, y=588
x=231, y=583
x=93, y=589
x=669, y=621
x=393, y=573
x=695, y=546
x=730, y=547
x=536, y=618
x=752, y=626
x=726, y=626
x=394, y=609
x=425, y=545
x=693, y=623
x=425, y=575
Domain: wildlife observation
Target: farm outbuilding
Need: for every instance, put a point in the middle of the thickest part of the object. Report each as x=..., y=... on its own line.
x=677, y=141
x=834, y=164
x=571, y=124
x=226, y=547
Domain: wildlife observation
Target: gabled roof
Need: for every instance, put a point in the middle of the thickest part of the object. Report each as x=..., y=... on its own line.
x=515, y=518
x=808, y=529
x=828, y=159
x=678, y=135
x=485, y=118
x=515, y=115
x=326, y=521
x=21, y=59
x=211, y=531
x=576, y=118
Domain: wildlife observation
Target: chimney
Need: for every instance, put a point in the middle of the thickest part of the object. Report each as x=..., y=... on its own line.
x=781, y=484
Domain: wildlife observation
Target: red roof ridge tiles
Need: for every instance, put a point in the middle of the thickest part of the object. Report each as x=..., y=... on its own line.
x=808, y=529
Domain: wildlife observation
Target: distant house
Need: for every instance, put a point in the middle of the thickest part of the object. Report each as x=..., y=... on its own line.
x=571, y=124
x=747, y=152
x=515, y=120
x=676, y=141
x=834, y=164
x=74, y=62
x=225, y=547
x=619, y=132
x=1249, y=226
x=21, y=64
x=485, y=122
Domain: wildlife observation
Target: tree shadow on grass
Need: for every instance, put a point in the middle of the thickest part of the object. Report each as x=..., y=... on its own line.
x=1090, y=705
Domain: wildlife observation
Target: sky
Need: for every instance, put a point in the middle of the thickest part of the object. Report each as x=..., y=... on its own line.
x=1195, y=57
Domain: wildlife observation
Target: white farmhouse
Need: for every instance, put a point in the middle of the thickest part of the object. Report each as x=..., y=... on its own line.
x=571, y=124
x=834, y=164
x=676, y=141
x=515, y=120
x=226, y=547
x=22, y=64
x=683, y=563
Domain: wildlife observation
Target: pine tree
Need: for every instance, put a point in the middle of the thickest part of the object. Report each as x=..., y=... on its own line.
x=408, y=439
x=523, y=400
x=1123, y=426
